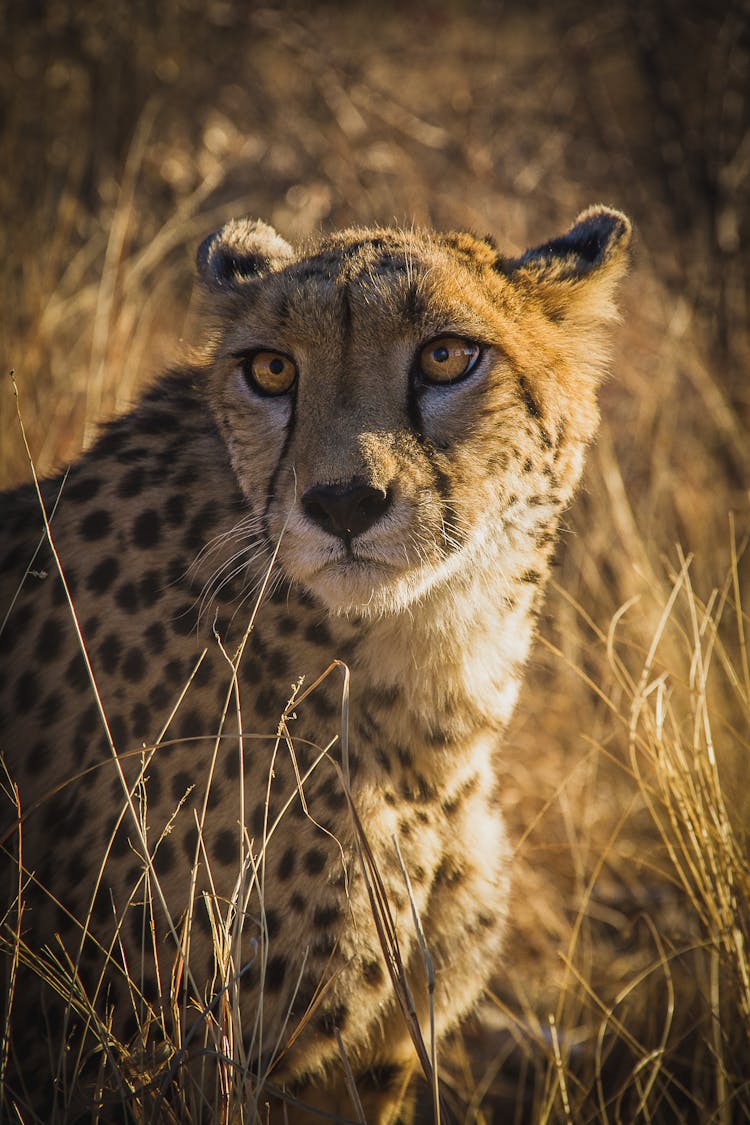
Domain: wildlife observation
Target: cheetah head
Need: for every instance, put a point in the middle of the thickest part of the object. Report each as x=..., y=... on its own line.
x=402, y=405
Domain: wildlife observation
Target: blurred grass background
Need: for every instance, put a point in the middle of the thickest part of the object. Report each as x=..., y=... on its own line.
x=130, y=131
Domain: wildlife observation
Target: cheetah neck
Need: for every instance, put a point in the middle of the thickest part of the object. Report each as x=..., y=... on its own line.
x=457, y=656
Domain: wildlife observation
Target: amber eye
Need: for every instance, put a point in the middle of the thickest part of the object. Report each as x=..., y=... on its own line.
x=448, y=359
x=270, y=372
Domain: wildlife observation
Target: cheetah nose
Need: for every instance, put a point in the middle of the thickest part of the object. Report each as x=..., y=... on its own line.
x=345, y=510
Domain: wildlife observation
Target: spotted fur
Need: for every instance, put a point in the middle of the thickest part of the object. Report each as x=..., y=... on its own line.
x=199, y=591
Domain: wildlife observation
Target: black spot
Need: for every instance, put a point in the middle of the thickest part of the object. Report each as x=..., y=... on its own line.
x=127, y=597
x=66, y=812
x=119, y=729
x=204, y=672
x=158, y=697
x=287, y=865
x=95, y=525
x=109, y=653
x=187, y=475
x=315, y=861
x=335, y=797
x=286, y=625
x=318, y=633
x=76, y=869
x=250, y=671
x=275, y=973
x=76, y=673
x=132, y=454
x=448, y=875
x=117, y=834
x=50, y=709
x=38, y=757
x=113, y=439
x=199, y=528
x=298, y=904
x=91, y=628
x=267, y=705
x=180, y=784
x=330, y=1021
x=277, y=663
x=280, y=594
x=132, y=483
x=174, y=510
x=258, y=819
x=133, y=666
x=185, y=620
x=324, y=945
x=103, y=575
x=405, y=757
x=146, y=529
x=81, y=489
x=102, y=909
x=150, y=588
x=88, y=721
x=155, y=638
x=324, y=707
x=273, y=923
x=423, y=791
x=386, y=1076
x=225, y=846
x=325, y=916
x=372, y=973
x=531, y=576
x=174, y=672
x=231, y=766
x=140, y=718
x=153, y=779
x=189, y=842
x=190, y=723
x=164, y=859
x=385, y=696
x=382, y=758
x=176, y=571
x=50, y=640
x=451, y=806
x=59, y=597
x=529, y=401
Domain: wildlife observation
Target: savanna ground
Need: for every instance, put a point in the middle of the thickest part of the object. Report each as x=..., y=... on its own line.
x=130, y=131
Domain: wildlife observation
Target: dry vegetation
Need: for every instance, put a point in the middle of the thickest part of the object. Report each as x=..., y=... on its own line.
x=131, y=131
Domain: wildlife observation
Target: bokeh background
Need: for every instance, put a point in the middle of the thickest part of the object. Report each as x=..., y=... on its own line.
x=131, y=130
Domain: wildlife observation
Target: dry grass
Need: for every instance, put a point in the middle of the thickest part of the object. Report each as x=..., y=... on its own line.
x=624, y=995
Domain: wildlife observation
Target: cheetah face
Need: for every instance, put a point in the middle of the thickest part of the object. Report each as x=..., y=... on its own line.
x=398, y=404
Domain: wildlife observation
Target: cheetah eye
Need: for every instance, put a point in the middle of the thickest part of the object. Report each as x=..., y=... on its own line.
x=270, y=373
x=448, y=359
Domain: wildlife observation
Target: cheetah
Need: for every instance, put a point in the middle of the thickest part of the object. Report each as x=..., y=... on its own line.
x=260, y=644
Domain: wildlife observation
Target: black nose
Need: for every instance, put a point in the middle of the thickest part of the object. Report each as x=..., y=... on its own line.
x=345, y=510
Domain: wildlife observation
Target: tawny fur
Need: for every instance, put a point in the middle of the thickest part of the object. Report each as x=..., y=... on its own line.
x=204, y=590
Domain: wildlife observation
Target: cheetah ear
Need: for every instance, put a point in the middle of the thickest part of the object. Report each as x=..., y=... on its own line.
x=242, y=249
x=575, y=274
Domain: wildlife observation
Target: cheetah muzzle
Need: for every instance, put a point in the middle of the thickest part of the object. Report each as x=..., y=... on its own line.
x=365, y=461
